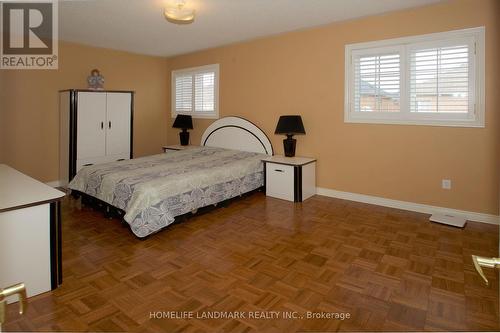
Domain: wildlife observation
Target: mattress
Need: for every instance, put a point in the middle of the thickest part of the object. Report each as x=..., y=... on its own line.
x=153, y=190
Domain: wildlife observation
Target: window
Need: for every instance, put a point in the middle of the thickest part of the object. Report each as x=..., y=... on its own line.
x=434, y=79
x=377, y=84
x=195, y=91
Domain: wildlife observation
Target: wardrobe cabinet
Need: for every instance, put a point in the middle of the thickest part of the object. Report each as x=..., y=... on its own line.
x=95, y=127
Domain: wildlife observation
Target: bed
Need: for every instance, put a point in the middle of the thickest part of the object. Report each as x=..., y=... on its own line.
x=152, y=191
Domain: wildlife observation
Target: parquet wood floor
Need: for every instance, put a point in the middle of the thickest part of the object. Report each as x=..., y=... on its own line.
x=391, y=270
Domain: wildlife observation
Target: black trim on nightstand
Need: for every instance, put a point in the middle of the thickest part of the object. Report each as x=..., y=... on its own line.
x=297, y=183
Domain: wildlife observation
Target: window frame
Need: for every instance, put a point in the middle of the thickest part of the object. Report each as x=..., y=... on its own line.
x=474, y=118
x=193, y=71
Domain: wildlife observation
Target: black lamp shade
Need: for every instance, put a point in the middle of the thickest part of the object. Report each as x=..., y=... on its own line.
x=290, y=125
x=183, y=121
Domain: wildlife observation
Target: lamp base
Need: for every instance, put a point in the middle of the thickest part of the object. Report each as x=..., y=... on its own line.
x=289, y=146
x=184, y=136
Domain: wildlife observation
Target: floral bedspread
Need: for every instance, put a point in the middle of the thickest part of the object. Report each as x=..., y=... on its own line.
x=153, y=190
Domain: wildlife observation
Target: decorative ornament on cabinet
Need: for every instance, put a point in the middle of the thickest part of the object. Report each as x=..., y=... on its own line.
x=95, y=80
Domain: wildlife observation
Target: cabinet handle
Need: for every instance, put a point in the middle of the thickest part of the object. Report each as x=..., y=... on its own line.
x=121, y=159
x=485, y=262
x=279, y=170
x=102, y=124
x=88, y=164
x=18, y=289
x=109, y=124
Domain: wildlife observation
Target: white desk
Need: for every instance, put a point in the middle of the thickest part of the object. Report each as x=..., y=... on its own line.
x=30, y=233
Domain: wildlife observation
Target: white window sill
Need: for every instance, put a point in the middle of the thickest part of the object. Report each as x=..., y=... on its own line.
x=428, y=122
x=198, y=116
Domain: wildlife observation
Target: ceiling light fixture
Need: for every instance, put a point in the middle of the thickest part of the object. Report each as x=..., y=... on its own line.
x=178, y=14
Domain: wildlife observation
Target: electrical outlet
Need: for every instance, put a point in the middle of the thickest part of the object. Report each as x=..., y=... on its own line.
x=446, y=184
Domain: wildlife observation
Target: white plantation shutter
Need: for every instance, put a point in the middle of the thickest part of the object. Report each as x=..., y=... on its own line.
x=440, y=79
x=435, y=79
x=204, y=96
x=377, y=83
x=184, y=93
x=196, y=91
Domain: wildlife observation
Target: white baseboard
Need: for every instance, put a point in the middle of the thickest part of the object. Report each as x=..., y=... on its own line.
x=405, y=205
x=379, y=201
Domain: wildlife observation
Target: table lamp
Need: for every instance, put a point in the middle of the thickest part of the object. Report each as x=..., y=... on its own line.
x=184, y=122
x=290, y=125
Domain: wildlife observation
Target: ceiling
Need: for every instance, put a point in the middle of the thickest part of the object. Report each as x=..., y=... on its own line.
x=138, y=25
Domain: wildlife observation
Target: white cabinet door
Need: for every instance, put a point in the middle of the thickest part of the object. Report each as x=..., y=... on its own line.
x=280, y=181
x=91, y=130
x=118, y=124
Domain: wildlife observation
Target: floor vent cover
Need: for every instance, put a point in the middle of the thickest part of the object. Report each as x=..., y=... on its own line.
x=455, y=221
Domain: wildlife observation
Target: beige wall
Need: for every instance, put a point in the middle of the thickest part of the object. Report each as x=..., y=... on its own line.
x=29, y=114
x=303, y=73
x=294, y=73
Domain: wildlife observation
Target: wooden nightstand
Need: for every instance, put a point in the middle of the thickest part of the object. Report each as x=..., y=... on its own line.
x=290, y=178
x=176, y=148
